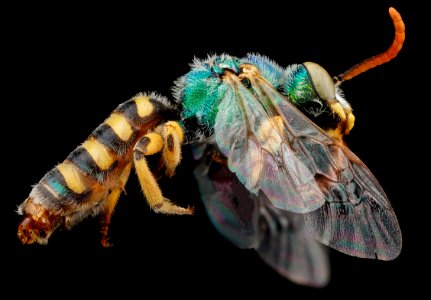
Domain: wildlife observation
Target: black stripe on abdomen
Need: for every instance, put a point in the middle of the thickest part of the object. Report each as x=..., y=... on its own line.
x=129, y=110
x=83, y=160
x=107, y=136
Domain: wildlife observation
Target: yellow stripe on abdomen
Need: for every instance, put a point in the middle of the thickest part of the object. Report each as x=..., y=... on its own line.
x=73, y=177
x=120, y=125
x=144, y=106
x=100, y=154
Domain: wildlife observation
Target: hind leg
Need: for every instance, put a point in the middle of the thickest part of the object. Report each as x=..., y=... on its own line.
x=169, y=141
x=110, y=204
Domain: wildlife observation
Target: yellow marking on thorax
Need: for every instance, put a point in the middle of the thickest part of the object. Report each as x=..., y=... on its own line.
x=120, y=125
x=99, y=153
x=73, y=177
x=144, y=106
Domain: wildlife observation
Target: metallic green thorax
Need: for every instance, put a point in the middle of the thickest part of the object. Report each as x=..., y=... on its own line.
x=203, y=88
x=201, y=91
x=201, y=96
x=298, y=87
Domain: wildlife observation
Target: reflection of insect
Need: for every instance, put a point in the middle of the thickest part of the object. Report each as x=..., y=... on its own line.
x=249, y=221
x=259, y=122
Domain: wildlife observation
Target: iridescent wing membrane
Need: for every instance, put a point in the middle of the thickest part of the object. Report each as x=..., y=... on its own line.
x=276, y=150
x=250, y=221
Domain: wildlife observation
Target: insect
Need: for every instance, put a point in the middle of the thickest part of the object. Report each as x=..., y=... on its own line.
x=274, y=172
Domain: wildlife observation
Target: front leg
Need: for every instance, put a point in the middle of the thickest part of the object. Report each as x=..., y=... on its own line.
x=149, y=144
x=344, y=112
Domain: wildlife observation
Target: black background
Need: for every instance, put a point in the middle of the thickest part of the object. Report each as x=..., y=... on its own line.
x=67, y=68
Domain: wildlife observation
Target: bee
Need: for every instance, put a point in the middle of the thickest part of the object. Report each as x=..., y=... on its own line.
x=274, y=172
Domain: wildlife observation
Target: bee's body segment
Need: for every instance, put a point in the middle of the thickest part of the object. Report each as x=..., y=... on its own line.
x=277, y=134
x=93, y=176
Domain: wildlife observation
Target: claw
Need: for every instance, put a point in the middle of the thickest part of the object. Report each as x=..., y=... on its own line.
x=105, y=243
x=167, y=207
x=105, y=238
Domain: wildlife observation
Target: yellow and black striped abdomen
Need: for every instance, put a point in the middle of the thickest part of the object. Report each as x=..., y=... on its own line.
x=96, y=165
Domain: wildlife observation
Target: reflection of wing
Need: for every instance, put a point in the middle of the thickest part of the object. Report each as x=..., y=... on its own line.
x=248, y=221
x=232, y=218
x=286, y=245
x=272, y=147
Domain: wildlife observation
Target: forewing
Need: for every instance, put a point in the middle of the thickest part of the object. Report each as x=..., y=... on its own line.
x=263, y=160
x=248, y=221
x=357, y=217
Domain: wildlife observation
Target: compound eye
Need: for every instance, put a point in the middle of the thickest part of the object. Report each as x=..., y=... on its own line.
x=322, y=82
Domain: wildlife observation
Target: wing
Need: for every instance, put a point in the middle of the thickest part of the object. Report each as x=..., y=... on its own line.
x=278, y=236
x=248, y=133
x=345, y=206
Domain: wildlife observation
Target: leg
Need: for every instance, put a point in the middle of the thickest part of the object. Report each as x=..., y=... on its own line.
x=112, y=200
x=110, y=204
x=149, y=144
x=347, y=119
x=172, y=134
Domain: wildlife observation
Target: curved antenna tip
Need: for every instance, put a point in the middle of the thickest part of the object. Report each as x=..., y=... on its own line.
x=397, y=20
x=393, y=12
x=383, y=57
